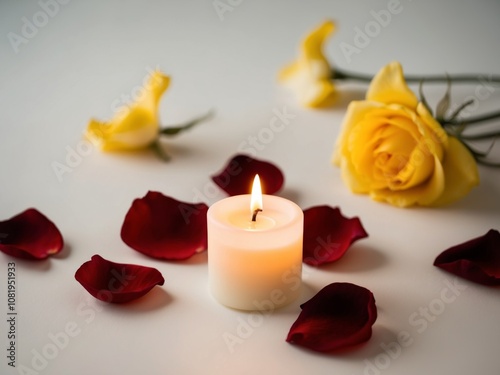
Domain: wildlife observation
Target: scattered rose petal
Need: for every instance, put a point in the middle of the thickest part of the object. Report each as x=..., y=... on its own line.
x=165, y=228
x=476, y=260
x=237, y=176
x=339, y=316
x=328, y=234
x=116, y=282
x=30, y=235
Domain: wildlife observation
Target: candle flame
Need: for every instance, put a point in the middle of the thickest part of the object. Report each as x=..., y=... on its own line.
x=256, y=200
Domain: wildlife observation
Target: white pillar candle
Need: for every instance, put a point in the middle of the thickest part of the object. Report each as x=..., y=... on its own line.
x=255, y=265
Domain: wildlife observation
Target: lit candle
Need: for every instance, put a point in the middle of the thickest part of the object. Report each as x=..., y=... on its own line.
x=255, y=250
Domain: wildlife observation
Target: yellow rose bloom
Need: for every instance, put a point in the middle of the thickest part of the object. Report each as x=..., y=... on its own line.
x=136, y=126
x=392, y=148
x=310, y=76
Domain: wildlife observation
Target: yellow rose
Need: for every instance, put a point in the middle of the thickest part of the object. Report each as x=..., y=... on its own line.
x=310, y=76
x=391, y=148
x=136, y=126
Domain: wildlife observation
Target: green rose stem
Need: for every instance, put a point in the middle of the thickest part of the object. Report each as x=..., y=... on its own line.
x=175, y=130
x=472, y=120
x=344, y=75
x=477, y=137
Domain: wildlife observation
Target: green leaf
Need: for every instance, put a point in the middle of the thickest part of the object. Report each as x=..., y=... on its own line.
x=444, y=103
x=174, y=130
x=460, y=109
x=490, y=135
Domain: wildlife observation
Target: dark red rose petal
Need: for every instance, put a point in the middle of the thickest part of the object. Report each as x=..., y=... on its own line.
x=237, y=176
x=339, y=316
x=165, y=228
x=476, y=260
x=30, y=235
x=116, y=282
x=328, y=234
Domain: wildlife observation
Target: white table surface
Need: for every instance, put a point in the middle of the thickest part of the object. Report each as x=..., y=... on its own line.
x=89, y=54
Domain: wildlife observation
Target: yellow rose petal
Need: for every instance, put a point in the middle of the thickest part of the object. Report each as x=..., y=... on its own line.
x=361, y=153
x=460, y=172
x=289, y=71
x=423, y=194
x=419, y=166
x=312, y=47
x=438, y=135
x=389, y=87
x=355, y=114
x=358, y=183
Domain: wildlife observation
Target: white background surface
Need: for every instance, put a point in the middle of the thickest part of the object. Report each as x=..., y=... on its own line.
x=91, y=53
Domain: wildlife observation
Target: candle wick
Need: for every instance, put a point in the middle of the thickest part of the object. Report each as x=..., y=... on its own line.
x=254, y=216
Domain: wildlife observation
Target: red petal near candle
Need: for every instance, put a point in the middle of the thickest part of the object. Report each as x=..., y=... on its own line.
x=476, y=260
x=328, y=234
x=30, y=235
x=165, y=228
x=237, y=176
x=339, y=316
x=116, y=282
